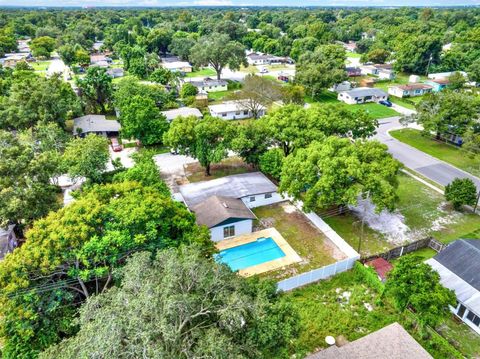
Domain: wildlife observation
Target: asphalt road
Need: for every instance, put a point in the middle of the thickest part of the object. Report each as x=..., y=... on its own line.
x=430, y=167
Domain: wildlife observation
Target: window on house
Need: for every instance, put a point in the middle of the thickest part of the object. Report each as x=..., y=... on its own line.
x=268, y=195
x=224, y=115
x=252, y=199
x=475, y=319
x=237, y=113
x=245, y=112
x=228, y=231
x=461, y=311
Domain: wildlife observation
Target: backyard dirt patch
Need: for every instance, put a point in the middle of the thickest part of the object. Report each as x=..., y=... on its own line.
x=229, y=166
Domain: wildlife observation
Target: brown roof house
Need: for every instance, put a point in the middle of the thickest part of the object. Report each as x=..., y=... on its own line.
x=225, y=217
x=391, y=342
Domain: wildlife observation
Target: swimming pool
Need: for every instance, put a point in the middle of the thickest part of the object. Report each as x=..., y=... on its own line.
x=250, y=254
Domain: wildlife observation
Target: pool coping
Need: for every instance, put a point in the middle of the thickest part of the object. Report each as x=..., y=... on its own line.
x=290, y=255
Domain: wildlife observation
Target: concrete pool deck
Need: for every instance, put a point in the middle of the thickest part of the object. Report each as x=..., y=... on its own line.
x=290, y=255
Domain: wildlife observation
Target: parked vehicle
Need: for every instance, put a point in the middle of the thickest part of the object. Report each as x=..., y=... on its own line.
x=385, y=103
x=264, y=70
x=116, y=146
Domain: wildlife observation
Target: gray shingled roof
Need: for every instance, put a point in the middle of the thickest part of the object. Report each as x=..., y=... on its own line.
x=95, y=123
x=217, y=209
x=366, y=91
x=235, y=186
x=391, y=342
x=462, y=257
x=207, y=81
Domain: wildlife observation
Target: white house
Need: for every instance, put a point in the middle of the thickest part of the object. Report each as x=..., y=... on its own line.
x=236, y=194
x=225, y=217
x=362, y=95
x=182, y=111
x=459, y=269
x=209, y=85
x=410, y=90
x=97, y=124
x=386, y=74
x=258, y=59
x=178, y=66
x=445, y=75
x=233, y=110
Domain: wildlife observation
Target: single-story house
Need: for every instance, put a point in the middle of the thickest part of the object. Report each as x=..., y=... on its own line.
x=102, y=64
x=383, y=71
x=97, y=124
x=381, y=266
x=368, y=35
x=254, y=189
x=459, y=268
x=410, y=90
x=233, y=110
x=11, y=60
x=8, y=240
x=259, y=59
x=385, y=74
x=178, y=66
x=445, y=75
x=225, y=217
x=182, y=111
x=115, y=72
x=362, y=95
x=368, y=70
x=209, y=85
x=353, y=71
x=100, y=59
x=438, y=84
x=392, y=342
x=342, y=86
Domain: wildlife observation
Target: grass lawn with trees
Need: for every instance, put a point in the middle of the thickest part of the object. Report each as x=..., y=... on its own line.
x=205, y=72
x=219, y=96
x=441, y=150
x=229, y=166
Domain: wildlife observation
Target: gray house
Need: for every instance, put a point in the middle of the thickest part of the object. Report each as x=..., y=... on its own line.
x=459, y=269
x=96, y=124
x=225, y=217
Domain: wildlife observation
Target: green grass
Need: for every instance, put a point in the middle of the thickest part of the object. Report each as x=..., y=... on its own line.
x=40, y=65
x=205, y=72
x=353, y=55
x=441, y=150
x=301, y=235
x=219, y=96
x=461, y=336
x=402, y=102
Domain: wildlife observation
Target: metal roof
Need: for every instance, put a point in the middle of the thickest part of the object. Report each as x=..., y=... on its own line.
x=217, y=209
x=182, y=111
x=390, y=342
x=235, y=186
x=95, y=123
x=231, y=106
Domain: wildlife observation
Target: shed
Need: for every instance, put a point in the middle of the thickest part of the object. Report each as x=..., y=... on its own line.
x=381, y=266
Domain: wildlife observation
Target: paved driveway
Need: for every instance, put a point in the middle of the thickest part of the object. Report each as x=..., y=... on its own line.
x=428, y=166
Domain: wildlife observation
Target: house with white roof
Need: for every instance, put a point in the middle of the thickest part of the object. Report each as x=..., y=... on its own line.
x=178, y=66
x=362, y=95
x=459, y=268
x=208, y=85
x=234, y=110
x=224, y=204
x=182, y=111
x=96, y=124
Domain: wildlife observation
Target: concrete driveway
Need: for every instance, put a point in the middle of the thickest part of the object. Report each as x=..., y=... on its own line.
x=428, y=166
x=172, y=168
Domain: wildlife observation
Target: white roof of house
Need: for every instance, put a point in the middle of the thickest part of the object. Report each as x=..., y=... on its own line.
x=444, y=75
x=175, y=65
x=95, y=123
x=182, y=111
x=235, y=186
x=229, y=106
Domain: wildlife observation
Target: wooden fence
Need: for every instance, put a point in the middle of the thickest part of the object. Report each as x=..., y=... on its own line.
x=410, y=247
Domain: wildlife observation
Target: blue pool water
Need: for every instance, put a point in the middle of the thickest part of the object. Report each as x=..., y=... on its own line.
x=250, y=254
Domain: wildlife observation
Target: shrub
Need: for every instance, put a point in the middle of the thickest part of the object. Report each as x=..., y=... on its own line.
x=460, y=192
x=188, y=90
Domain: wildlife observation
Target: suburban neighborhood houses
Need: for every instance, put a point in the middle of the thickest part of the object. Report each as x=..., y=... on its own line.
x=225, y=180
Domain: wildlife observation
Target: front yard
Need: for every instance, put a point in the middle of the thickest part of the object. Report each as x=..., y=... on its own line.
x=441, y=150
x=205, y=72
x=424, y=212
x=312, y=245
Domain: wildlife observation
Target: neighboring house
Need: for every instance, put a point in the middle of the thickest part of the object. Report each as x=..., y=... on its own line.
x=459, y=268
x=258, y=59
x=438, y=84
x=233, y=110
x=102, y=64
x=97, y=45
x=368, y=70
x=100, y=59
x=96, y=124
x=8, y=240
x=225, y=217
x=368, y=36
x=362, y=95
x=343, y=86
x=445, y=75
x=390, y=342
x=410, y=90
x=209, y=85
x=182, y=111
x=381, y=267
x=383, y=71
x=12, y=59
x=178, y=66
x=385, y=74
x=353, y=71
x=115, y=72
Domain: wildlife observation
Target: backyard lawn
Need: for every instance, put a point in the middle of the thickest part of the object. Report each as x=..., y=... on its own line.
x=315, y=249
x=441, y=150
x=40, y=66
x=229, y=166
x=205, y=72
x=353, y=55
x=219, y=96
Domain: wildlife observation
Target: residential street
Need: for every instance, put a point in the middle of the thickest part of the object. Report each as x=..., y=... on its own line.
x=419, y=161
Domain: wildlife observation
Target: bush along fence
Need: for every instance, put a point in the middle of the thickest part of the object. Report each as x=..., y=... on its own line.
x=327, y=271
x=411, y=247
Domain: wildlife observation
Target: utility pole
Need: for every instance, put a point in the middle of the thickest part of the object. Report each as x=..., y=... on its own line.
x=429, y=62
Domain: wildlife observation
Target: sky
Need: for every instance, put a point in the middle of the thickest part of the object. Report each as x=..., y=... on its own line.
x=159, y=3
